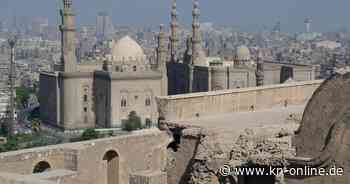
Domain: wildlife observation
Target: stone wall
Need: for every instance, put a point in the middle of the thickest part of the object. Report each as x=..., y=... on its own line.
x=102, y=93
x=178, y=78
x=10, y=178
x=49, y=98
x=139, y=152
x=77, y=101
x=232, y=78
x=184, y=107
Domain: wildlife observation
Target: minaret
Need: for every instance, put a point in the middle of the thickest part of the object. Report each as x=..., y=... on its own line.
x=68, y=57
x=12, y=76
x=162, y=47
x=174, y=38
x=260, y=70
x=162, y=59
x=187, y=58
x=196, y=34
x=308, y=22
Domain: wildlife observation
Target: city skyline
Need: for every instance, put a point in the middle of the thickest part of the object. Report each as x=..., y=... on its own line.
x=249, y=15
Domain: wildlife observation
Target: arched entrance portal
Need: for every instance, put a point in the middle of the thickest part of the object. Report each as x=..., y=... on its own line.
x=41, y=167
x=112, y=159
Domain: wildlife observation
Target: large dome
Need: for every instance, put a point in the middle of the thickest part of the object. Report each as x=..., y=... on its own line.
x=243, y=53
x=127, y=49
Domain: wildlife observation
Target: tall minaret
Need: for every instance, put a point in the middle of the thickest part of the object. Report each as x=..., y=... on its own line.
x=68, y=57
x=260, y=70
x=196, y=33
x=162, y=52
x=162, y=47
x=174, y=38
x=307, y=23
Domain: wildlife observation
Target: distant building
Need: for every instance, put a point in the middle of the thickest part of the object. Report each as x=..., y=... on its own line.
x=103, y=92
x=5, y=103
x=328, y=44
x=104, y=26
x=39, y=25
x=198, y=73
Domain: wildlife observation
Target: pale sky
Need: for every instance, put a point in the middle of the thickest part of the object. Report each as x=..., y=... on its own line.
x=327, y=15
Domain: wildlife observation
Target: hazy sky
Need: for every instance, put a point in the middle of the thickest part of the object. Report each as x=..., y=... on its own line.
x=327, y=15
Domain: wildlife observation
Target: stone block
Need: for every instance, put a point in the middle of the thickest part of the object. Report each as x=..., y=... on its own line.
x=148, y=177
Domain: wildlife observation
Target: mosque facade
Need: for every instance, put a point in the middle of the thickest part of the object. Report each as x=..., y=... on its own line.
x=103, y=93
x=100, y=94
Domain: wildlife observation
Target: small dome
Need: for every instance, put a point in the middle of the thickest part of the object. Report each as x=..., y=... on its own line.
x=127, y=49
x=243, y=53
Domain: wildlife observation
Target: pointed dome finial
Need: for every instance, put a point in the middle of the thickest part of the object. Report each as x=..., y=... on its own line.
x=196, y=10
x=161, y=28
x=174, y=4
x=196, y=4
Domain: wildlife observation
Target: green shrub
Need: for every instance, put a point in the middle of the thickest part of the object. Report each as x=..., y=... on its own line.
x=22, y=96
x=89, y=134
x=11, y=145
x=133, y=122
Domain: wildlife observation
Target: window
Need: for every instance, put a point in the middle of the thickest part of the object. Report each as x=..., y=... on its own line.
x=148, y=102
x=148, y=123
x=85, y=109
x=117, y=68
x=123, y=103
x=134, y=68
x=85, y=98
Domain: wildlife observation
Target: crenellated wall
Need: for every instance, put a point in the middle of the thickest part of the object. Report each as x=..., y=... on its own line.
x=189, y=106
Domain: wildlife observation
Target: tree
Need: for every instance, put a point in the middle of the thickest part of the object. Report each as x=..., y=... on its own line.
x=133, y=122
x=89, y=134
x=22, y=96
x=36, y=125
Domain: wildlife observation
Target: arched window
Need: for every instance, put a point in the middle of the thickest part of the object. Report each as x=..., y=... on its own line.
x=123, y=103
x=41, y=167
x=148, y=123
x=148, y=101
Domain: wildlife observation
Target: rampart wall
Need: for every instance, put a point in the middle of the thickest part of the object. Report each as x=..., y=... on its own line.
x=189, y=106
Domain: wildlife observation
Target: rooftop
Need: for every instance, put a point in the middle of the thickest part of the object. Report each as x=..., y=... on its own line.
x=265, y=122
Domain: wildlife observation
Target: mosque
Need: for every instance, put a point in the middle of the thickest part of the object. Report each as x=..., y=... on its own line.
x=197, y=73
x=102, y=94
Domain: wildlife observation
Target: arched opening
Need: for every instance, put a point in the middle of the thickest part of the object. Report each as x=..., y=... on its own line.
x=41, y=167
x=112, y=159
x=148, y=123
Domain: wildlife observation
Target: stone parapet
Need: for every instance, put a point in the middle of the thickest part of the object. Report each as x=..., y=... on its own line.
x=148, y=177
x=189, y=106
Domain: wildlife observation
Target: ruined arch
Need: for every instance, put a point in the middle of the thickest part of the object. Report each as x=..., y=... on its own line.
x=42, y=166
x=112, y=162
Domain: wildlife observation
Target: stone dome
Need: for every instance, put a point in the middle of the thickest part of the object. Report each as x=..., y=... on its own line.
x=243, y=53
x=127, y=49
